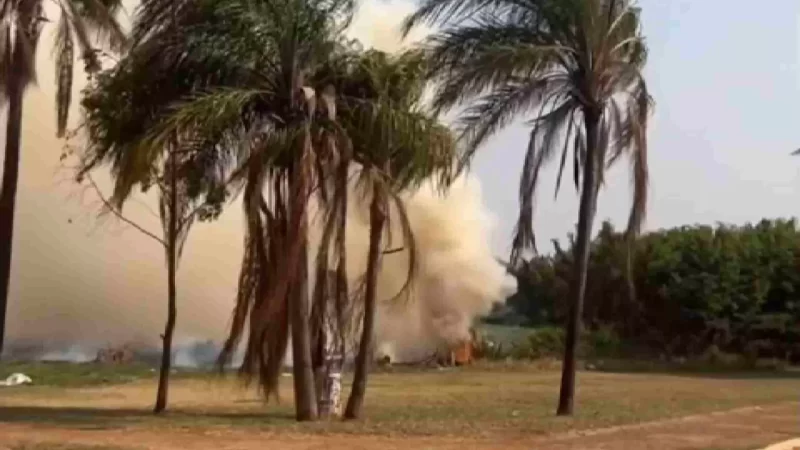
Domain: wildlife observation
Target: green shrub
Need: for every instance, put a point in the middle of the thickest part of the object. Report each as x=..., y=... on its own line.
x=602, y=343
x=544, y=342
x=695, y=287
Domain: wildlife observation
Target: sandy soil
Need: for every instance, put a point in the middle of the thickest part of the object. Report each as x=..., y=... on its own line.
x=746, y=428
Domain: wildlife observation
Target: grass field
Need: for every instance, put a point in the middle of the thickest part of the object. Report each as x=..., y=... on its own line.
x=488, y=402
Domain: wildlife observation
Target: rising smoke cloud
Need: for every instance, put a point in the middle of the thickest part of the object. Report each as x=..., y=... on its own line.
x=457, y=279
x=81, y=282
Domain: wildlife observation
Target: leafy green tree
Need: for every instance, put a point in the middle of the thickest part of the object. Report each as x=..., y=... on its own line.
x=21, y=27
x=732, y=288
x=574, y=67
x=120, y=108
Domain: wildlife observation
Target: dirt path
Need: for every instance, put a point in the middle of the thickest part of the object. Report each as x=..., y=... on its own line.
x=746, y=428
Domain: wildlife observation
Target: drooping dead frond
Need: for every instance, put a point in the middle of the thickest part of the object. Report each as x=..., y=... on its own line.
x=63, y=47
x=20, y=29
x=79, y=22
x=262, y=275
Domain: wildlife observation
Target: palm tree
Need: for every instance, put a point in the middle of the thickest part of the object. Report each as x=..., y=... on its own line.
x=396, y=145
x=284, y=131
x=575, y=67
x=258, y=99
x=301, y=134
x=20, y=27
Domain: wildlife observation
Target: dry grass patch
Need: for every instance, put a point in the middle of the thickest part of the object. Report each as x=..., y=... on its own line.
x=474, y=402
x=61, y=446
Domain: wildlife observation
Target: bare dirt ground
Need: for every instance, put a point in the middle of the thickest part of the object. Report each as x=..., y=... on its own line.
x=744, y=428
x=450, y=411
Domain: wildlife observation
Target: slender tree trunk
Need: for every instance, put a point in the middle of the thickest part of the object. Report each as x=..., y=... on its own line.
x=8, y=192
x=377, y=219
x=319, y=337
x=318, y=355
x=588, y=205
x=304, y=388
x=172, y=307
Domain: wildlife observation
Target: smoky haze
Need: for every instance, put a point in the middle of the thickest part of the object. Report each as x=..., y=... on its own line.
x=83, y=280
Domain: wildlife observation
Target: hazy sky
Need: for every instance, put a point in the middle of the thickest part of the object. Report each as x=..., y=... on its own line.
x=726, y=85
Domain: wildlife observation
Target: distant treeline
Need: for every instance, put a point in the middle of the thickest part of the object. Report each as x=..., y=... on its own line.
x=693, y=288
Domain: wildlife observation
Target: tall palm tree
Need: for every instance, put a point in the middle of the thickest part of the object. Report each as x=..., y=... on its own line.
x=396, y=145
x=574, y=68
x=20, y=26
x=284, y=130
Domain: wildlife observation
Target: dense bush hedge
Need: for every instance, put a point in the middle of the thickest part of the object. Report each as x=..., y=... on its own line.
x=543, y=342
x=733, y=288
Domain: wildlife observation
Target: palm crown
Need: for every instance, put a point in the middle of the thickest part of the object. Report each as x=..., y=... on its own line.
x=573, y=66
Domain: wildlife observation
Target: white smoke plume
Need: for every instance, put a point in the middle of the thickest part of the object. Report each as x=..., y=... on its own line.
x=457, y=280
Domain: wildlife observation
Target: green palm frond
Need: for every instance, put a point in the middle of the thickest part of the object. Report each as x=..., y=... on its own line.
x=493, y=66
x=378, y=97
x=496, y=109
x=154, y=16
x=214, y=112
x=438, y=12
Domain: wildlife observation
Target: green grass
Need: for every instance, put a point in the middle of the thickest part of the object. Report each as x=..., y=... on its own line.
x=66, y=374
x=76, y=375
x=503, y=334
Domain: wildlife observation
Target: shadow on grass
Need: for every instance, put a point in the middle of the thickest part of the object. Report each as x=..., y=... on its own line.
x=104, y=419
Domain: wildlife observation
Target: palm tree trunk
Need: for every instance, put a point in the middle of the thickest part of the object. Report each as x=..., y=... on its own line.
x=8, y=192
x=586, y=212
x=304, y=386
x=318, y=355
x=172, y=307
x=377, y=219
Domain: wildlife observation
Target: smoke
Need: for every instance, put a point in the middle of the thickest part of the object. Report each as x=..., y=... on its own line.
x=80, y=283
x=458, y=278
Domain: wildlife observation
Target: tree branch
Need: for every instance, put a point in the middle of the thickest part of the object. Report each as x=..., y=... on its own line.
x=120, y=216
